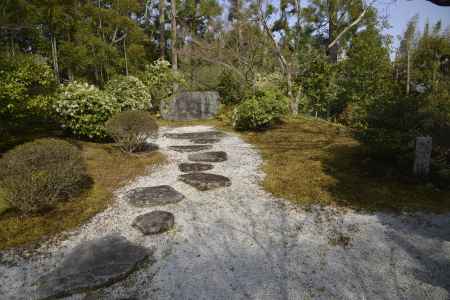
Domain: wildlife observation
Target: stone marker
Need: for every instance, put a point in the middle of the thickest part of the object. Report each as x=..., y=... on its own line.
x=422, y=160
x=92, y=265
x=194, y=167
x=205, y=181
x=205, y=141
x=190, y=148
x=213, y=156
x=154, y=222
x=190, y=106
x=195, y=135
x=153, y=196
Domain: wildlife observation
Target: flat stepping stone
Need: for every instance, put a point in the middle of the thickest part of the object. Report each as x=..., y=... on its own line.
x=154, y=196
x=195, y=135
x=194, y=167
x=205, y=141
x=154, y=222
x=91, y=265
x=213, y=156
x=205, y=181
x=190, y=148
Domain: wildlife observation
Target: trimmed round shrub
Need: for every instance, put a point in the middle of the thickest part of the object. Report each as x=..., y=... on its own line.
x=84, y=109
x=261, y=111
x=129, y=92
x=36, y=175
x=131, y=129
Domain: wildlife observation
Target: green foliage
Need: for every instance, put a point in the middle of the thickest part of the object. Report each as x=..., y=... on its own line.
x=129, y=92
x=159, y=78
x=131, y=129
x=262, y=110
x=319, y=81
x=366, y=76
x=230, y=87
x=36, y=175
x=26, y=85
x=84, y=109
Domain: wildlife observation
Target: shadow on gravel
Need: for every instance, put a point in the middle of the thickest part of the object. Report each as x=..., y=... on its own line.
x=425, y=239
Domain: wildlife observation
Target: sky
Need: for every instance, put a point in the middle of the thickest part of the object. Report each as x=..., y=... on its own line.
x=399, y=12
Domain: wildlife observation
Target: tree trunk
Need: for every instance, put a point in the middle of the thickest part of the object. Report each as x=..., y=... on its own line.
x=162, y=37
x=174, y=40
x=125, y=56
x=333, y=48
x=283, y=62
x=55, y=57
x=408, y=71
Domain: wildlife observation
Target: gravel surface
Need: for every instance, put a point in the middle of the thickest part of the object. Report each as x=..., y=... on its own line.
x=239, y=242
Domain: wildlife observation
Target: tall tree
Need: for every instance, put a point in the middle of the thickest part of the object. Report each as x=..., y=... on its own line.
x=162, y=30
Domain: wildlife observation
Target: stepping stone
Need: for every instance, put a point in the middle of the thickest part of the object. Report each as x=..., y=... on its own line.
x=154, y=222
x=190, y=148
x=205, y=181
x=196, y=135
x=194, y=167
x=213, y=156
x=153, y=196
x=205, y=141
x=91, y=265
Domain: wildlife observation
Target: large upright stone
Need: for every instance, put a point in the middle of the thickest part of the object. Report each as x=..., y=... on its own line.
x=92, y=265
x=154, y=196
x=423, y=155
x=190, y=106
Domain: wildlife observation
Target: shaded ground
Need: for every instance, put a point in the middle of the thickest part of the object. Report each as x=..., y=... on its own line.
x=317, y=162
x=240, y=242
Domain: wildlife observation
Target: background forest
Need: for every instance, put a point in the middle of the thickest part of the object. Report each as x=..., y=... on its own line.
x=75, y=63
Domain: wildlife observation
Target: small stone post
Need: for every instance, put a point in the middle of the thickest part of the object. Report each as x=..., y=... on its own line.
x=422, y=160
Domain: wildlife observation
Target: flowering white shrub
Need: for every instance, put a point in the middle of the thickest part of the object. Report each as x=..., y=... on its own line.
x=130, y=93
x=84, y=109
x=159, y=79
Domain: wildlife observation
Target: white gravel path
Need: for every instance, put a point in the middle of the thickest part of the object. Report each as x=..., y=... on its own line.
x=240, y=242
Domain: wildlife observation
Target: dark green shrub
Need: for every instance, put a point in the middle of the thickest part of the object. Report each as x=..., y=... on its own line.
x=36, y=175
x=260, y=111
x=230, y=87
x=131, y=129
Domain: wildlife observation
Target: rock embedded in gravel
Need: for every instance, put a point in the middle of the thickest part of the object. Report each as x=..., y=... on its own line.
x=194, y=167
x=154, y=222
x=213, y=156
x=195, y=135
x=92, y=265
x=154, y=196
x=190, y=148
x=205, y=181
x=205, y=141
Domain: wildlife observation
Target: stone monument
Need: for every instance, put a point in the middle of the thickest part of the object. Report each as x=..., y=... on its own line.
x=187, y=106
x=422, y=160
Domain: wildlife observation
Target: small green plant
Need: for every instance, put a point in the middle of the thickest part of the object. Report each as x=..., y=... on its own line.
x=129, y=92
x=261, y=111
x=131, y=129
x=36, y=175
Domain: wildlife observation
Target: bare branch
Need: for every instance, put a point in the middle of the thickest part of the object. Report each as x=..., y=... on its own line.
x=351, y=25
